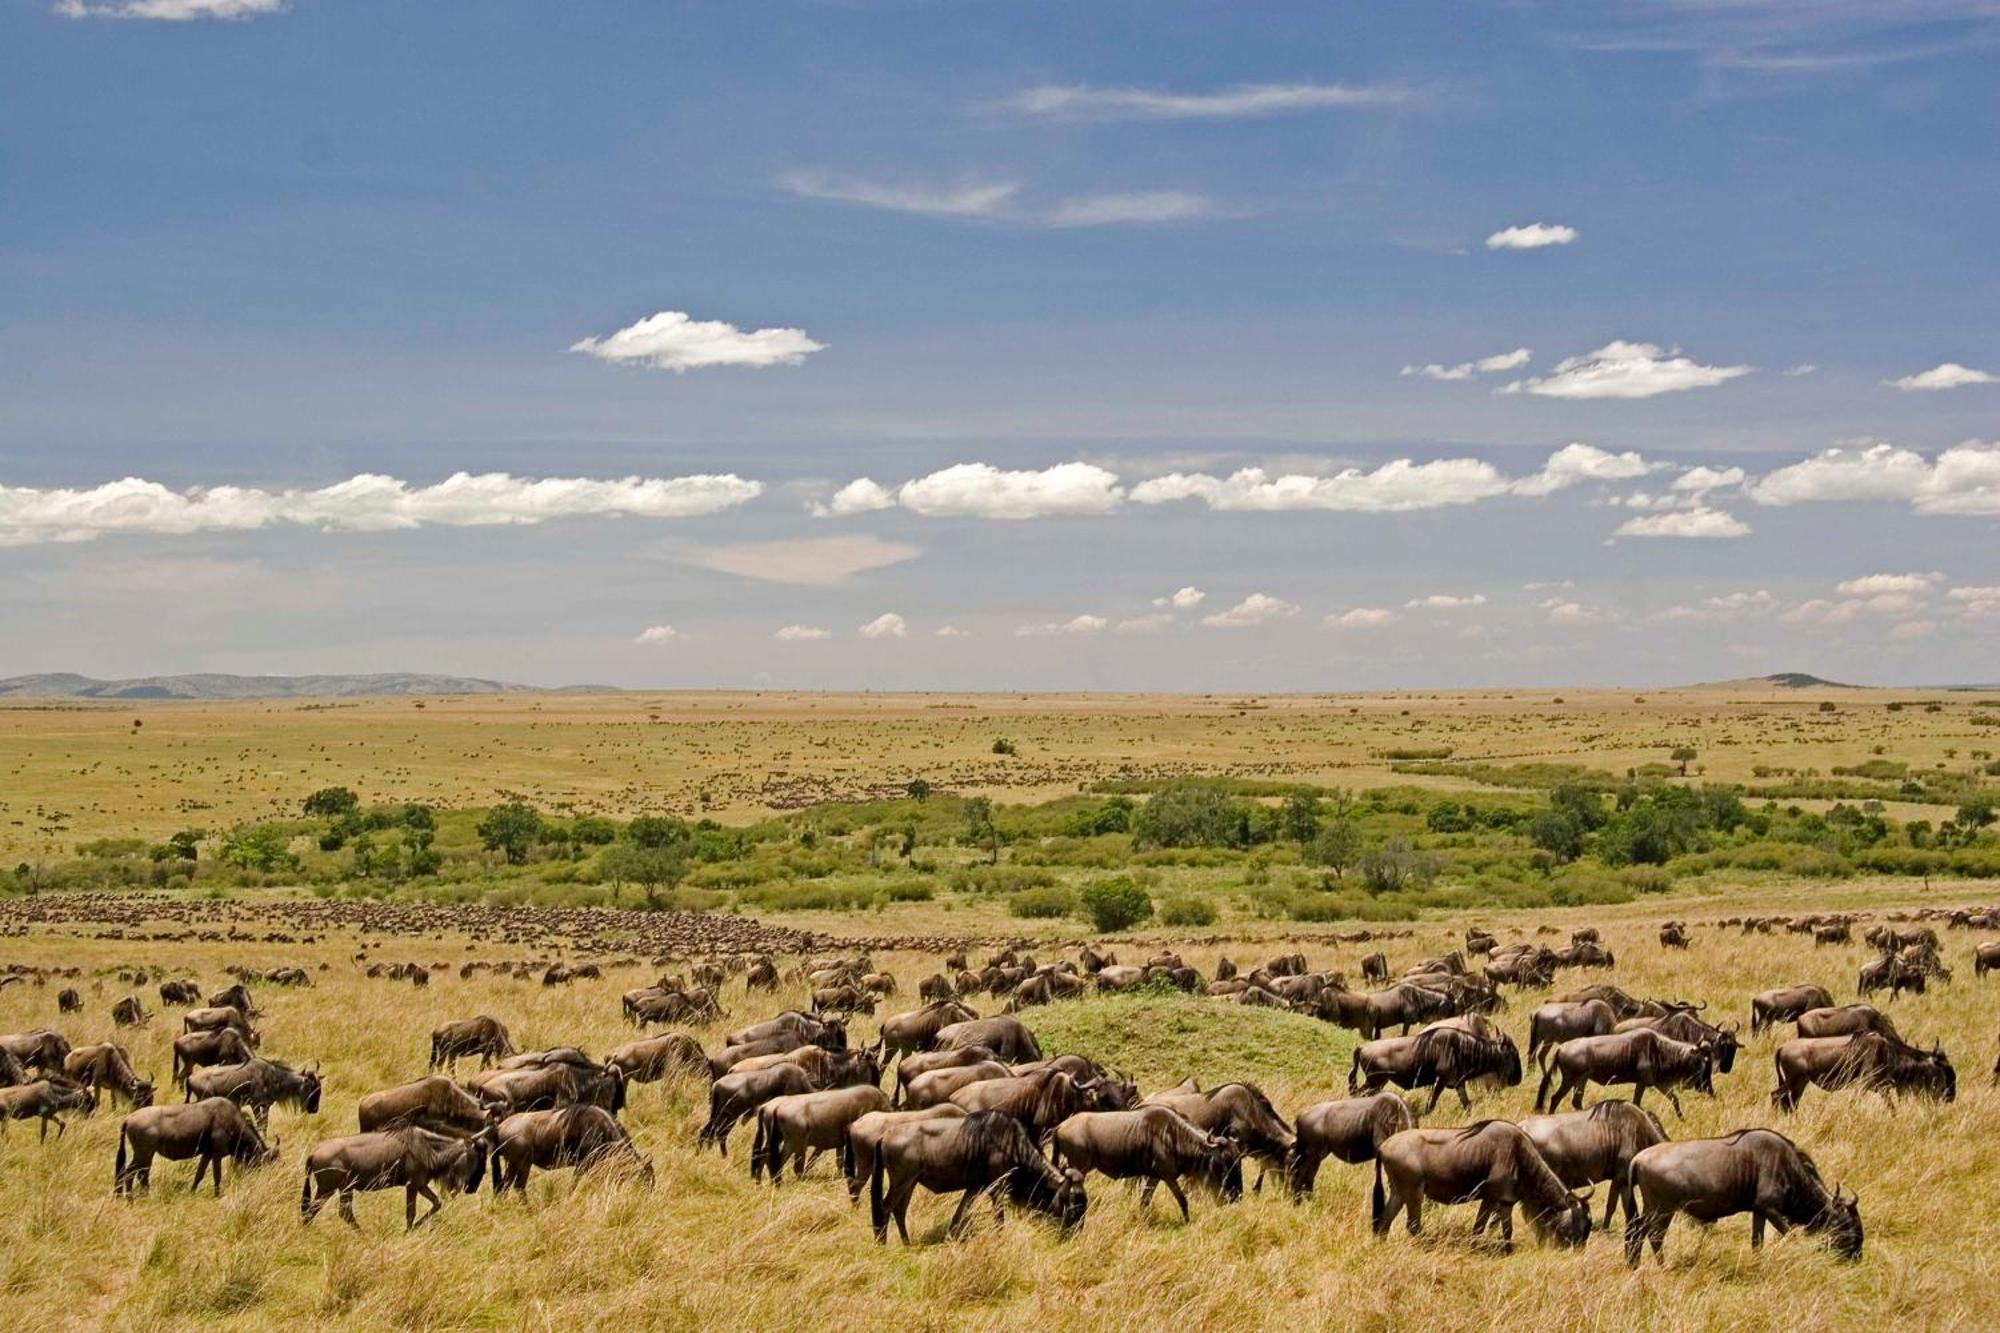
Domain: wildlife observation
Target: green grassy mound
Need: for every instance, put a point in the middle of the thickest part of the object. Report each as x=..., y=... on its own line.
x=1162, y=1039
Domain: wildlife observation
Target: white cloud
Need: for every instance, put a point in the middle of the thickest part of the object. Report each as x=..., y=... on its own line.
x=1701, y=480
x=1186, y=599
x=951, y=632
x=1699, y=522
x=802, y=634
x=672, y=340
x=1361, y=617
x=1625, y=370
x=888, y=625
x=813, y=561
x=1574, y=463
x=980, y=490
x=1799, y=371
x=1874, y=585
x=1563, y=612
x=1964, y=479
x=1256, y=609
x=1913, y=629
x=1891, y=596
x=1729, y=606
x=1106, y=210
x=1977, y=601
x=984, y=199
x=1147, y=624
x=1533, y=236
x=364, y=503
x=1445, y=601
x=1465, y=370
x=1084, y=624
x=1396, y=486
x=168, y=11
x=1950, y=375
x=657, y=634
x=1078, y=103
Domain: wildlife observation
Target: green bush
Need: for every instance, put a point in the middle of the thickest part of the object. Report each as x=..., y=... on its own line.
x=1042, y=904
x=1116, y=904
x=1188, y=910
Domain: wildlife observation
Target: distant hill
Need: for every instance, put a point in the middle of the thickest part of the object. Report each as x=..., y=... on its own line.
x=1781, y=680
x=212, y=685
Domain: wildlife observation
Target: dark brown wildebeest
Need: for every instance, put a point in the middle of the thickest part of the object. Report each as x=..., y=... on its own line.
x=1894, y=973
x=732, y=1057
x=484, y=1036
x=1643, y=1058
x=1152, y=1143
x=1044, y=1100
x=410, y=1156
x=197, y=1050
x=1585, y=954
x=553, y=1084
x=1837, y=933
x=804, y=1029
x=1375, y=967
x=739, y=1094
x=1985, y=958
x=1003, y=1034
x=45, y=1099
x=129, y=1013
x=1622, y=1004
x=179, y=992
x=650, y=1059
x=1845, y=1020
x=107, y=1066
x=879, y=983
x=1673, y=935
x=1558, y=1021
x=209, y=1131
x=11, y=1072
x=435, y=1103
x=917, y=1030
x=257, y=1085
x=42, y=1049
x=584, y=1137
x=941, y=1085
x=864, y=1140
x=694, y=1006
x=1684, y=1026
x=810, y=1122
x=981, y=1152
x=1117, y=976
x=1784, y=1004
x=1349, y=1129
x=216, y=1019
x=1239, y=1110
x=925, y=1062
x=69, y=1001
x=1093, y=961
x=235, y=997
x=1754, y=1171
x=1865, y=1059
x=843, y=999
x=763, y=975
x=935, y=988
x=1441, y=1056
x=1585, y=1147
x=1369, y=1012
x=1480, y=942
x=1492, y=1162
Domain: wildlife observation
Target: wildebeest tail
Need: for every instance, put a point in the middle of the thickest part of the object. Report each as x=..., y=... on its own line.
x=118, y=1170
x=306, y=1195
x=1548, y=1077
x=1378, y=1202
x=878, y=1212
x=766, y=1149
x=1354, y=1069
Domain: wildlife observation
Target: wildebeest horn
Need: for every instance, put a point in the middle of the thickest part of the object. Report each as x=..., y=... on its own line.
x=1583, y=1196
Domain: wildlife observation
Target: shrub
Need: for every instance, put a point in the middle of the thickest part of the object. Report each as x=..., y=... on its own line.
x=1188, y=910
x=1193, y=814
x=1116, y=904
x=1041, y=904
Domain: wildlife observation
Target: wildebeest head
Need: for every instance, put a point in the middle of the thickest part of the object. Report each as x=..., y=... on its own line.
x=1841, y=1221
x=310, y=1087
x=473, y=1164
x=1568, y=1224
x=1936, y=1077
x=1702, y=1077
x=1070, y=1202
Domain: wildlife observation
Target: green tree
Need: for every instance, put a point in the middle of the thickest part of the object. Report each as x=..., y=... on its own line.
x=1684, y=755
x=1298, y=818
x=263, y=847
x=1334, y=847
x=1115, y=904
x=659, y=831
x=1976, y=812
x=651, y=868
x=331, y=802
x=511, y=829
x=1192, y=814
x=1388, y=868
x=420, y=857
x=918, y=789
x=1558, y=832
x=980, y=830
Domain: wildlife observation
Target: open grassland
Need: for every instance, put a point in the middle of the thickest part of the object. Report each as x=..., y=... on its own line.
x=708, y=1248
x=73, y=771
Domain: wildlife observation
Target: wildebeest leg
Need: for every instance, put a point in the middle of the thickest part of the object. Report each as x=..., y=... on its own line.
x=411, y=1221
x=1756, y=1228
x=898, y=1203
x=347, y=1205
x=1415, y=1216
x=1506, y=1214
x=1621, y=1188
x=957, y=1224
x=1304, y=1169
x=1673, y=1099
x=1487, y=1210
x=1174, y=1188
x=1463, y=1100
x=1146, y=1193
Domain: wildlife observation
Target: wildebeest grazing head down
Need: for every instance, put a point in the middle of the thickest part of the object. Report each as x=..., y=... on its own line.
x=1755, y=1171
x=981, y=1151
x=1493, y=1162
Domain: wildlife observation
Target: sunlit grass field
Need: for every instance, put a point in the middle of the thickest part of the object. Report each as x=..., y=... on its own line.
x=709, y=1248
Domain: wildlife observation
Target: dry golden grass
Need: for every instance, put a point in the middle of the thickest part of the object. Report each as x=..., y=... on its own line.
x=77, y=771
x=708, y=1248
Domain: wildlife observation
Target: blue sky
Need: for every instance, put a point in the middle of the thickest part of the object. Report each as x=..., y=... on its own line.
x=1051, y=278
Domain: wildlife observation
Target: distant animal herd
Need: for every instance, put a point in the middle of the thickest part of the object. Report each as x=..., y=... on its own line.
x=975, y=1107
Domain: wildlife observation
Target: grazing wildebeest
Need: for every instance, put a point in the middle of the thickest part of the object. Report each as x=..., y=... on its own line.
x=1153, y=1143
x=257, y=1085
x=1369, y=1012
x=216, y=1019
x=941, y=1085
x=1585, y=954
x=1845, y=1020
x=1837, y=933
x=410, y=1156
x=864, y=1140
x=1375, y=967
x=1493, y=1162
x=484, y=1036
x=179, y=992
x=981, y=1152
x=552, y=1084
x=237, y=997
x=435, y=1103
x=1585, y=1147
x=584, y=1137
x=1557, y=1022
x=1684, y=1026
x=801, y=1029
x=129, y=1013
x=1622, y=1004
x=208, y=1131
x=1673, y=935
x=1239, y=1110
x=810, y=1122
x=842, y=999
x=737, y=1095
x=650, y=1059
x=917, y=1030
x=1044, y=1100
x=69, y=1001
x=1643, y=1058
x=1441, y=1056
x=45, y=1099
x=1754, y=1171
x=1784, y=1004
x=694, y=1006
x=1895, y=973
x=197, y=1050
x=1003, y=1034
x=1349, y=1129
x=107, y=1065
x=1985, y=958
x=1867, y=1059
x=42, y=1049
x=925, y=1062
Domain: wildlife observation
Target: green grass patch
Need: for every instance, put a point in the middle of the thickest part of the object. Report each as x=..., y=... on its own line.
x=1161, y=1039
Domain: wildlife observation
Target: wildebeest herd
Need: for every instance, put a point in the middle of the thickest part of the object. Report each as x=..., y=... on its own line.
x=955, y=1101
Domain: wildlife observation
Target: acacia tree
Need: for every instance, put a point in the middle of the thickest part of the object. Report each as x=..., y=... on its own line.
x=511, y=829
x=1334, y=847
x=1684, y=755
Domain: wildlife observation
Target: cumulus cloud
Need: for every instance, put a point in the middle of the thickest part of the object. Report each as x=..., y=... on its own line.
x=1075, y=103
x=809, y=561
x=1575, y=463
x=1701, y=480
x=888, y=625
x=168, y=11
x=673, y=340
x=975, y=200
x=980, y=490
x=1889, y=595
x=657, y=634
x=364, y=503
x=1874, y=585
x=1977, y=601
x=1465, y=370
x=1625, y=370
x=1084, y=624
x=802, y=634
x=1186, y=599
x=1699, y=522
x=1950, y=375
x=1396, y=486
x=1445, y=601
x=1564, y=612
x=951, y=632
x=1533, y=236
x=1361, y=617
x=1964, y=479
x=1728, y=606
x=1256, y=609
